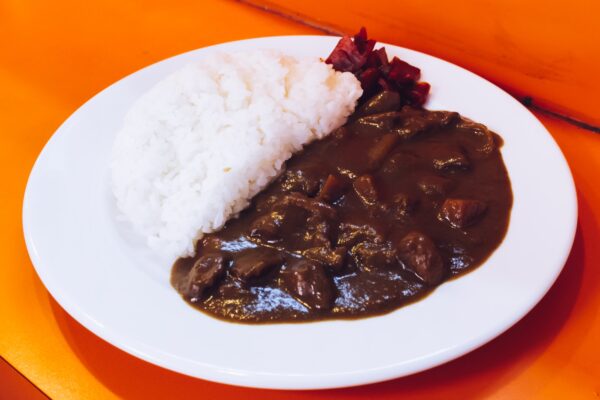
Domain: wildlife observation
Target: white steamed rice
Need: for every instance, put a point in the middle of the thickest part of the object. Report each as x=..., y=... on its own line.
x=201, y=143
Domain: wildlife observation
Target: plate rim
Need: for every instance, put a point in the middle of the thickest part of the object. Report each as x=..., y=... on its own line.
x=344, y=379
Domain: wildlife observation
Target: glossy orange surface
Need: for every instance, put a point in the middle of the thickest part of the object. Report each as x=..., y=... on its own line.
x=57, y=55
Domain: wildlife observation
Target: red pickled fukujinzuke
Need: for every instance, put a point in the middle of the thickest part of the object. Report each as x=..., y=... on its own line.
x=375, y=72
x=368, y=219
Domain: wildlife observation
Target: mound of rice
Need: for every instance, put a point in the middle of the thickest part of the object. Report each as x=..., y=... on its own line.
x=201, y=143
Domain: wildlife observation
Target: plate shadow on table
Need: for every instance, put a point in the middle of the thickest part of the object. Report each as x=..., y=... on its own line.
x=476, y=374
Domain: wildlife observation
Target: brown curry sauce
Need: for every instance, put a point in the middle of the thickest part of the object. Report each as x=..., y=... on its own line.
x=362, y=222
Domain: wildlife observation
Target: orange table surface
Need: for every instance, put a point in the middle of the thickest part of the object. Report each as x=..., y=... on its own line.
x=57, y=55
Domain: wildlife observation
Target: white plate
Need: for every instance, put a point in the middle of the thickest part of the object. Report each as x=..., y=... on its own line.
x=107, y=280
